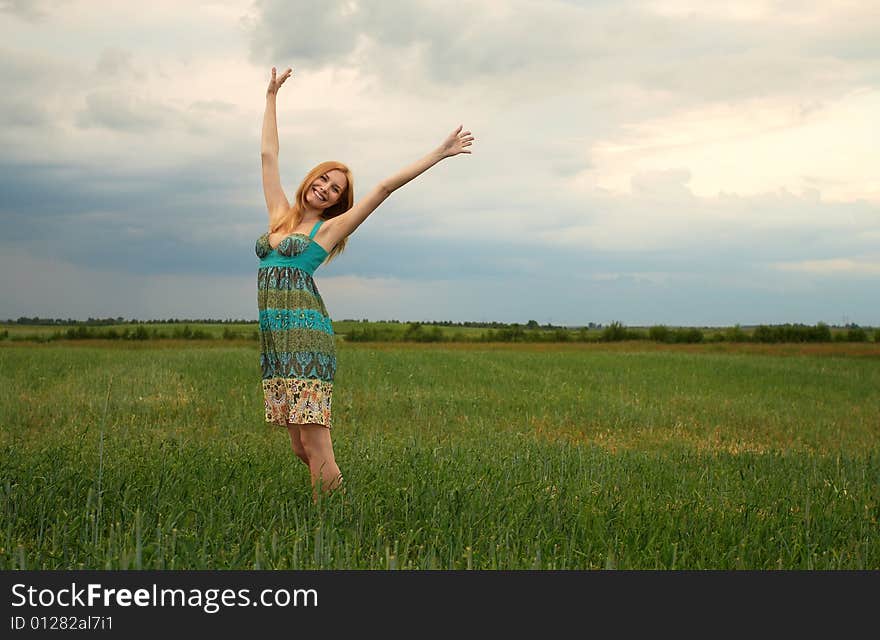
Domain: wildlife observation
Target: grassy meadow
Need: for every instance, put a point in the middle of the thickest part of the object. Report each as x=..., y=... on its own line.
x=625, y=455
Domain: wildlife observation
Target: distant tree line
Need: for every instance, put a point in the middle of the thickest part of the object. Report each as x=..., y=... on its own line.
x=615, y=332
x=394, y=331
x=82, y=332
x=531, y=324
x=120, y=320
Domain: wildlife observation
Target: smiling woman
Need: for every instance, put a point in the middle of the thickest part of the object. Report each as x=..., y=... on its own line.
x=297, y=346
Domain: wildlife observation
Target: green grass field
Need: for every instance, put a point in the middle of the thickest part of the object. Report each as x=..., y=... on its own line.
x=626, y=455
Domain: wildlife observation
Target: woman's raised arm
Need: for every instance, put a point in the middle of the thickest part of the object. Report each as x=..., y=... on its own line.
x=344, y=225
x=276, y=200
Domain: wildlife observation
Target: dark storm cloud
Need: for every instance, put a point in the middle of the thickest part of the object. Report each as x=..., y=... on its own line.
x=185, y=221
x=161, y=222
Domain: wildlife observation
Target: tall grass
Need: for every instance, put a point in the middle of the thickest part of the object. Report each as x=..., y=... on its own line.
x=453, y=458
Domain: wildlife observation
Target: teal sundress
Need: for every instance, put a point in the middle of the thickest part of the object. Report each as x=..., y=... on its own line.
x=297, y=346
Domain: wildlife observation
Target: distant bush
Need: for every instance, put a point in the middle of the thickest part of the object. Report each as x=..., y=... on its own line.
x=659, y=333
x=688, y=335
x=662, y=333
x=141, y=333
x=514, y=333
x=79, y=333
x=188, y=334
x=617, y=331
x=415, y=332
x=370, y=334
x=856, y=334
x=561, y=335
x=735, y=334
x=763, y=333
x=29, y=337
x=792, y=333
x=4, y=334
x=821, y=332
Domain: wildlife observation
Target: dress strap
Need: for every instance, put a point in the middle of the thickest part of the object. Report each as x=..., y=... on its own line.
x=315, y=229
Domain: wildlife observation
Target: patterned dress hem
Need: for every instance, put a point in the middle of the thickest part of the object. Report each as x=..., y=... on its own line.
x=297, y=401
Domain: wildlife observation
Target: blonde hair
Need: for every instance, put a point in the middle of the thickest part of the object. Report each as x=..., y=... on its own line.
x=295, y=214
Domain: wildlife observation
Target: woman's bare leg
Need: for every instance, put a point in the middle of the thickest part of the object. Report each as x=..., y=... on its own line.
x=296, y=443
x=322, y=463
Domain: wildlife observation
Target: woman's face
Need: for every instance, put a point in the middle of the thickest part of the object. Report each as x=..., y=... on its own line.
x=326, y=189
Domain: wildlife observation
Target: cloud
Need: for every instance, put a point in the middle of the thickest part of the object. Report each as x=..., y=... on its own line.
x=46, y=286
x=648, y=157
x=833, y=266
x=752, y=147
x=33, y=80
x=184, y=220
x=529, y=48
x=670, y=183
x=19, y=113
x=193, y=219
x=115, y=62
x=30, y=10
x=122, y=112
x=218, y=106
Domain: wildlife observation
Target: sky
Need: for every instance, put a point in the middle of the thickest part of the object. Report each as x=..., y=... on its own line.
x=689, y=163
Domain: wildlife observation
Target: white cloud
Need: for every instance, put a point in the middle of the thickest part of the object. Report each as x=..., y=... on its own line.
x=753, y=147
x=34, y=11
x=822, y=16
x=833, y=267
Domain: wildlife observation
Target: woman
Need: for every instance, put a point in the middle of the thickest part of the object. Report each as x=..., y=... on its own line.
x=297, y=348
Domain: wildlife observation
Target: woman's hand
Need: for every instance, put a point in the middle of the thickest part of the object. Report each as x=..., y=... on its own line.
x=455, y=143
x=275, y=84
